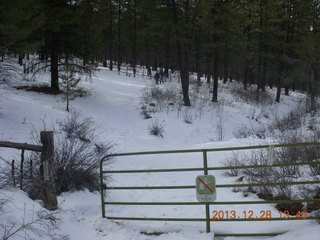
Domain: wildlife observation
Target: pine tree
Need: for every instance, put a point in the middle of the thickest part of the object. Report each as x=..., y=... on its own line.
x=69, y=82
x=183, y=18
x=70, y=29
x=19, y=21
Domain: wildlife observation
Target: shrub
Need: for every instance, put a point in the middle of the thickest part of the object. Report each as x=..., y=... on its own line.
x=41, y=224
x=244, y=131
x=75, y=128
x=156, y=129
x=187, y=117
x=159, y=96
x=8, y=72
x=76, y=160
x=76, y=157
x=293, y=120
x=250, y=95
x=145, y=113
x=5, y=177
x=282, y=174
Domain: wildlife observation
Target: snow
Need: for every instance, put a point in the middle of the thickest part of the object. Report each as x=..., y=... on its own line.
x=114, y=104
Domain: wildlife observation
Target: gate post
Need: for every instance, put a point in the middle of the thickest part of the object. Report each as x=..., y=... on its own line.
x=205, y=169
x=102, y=189
x=46, y=170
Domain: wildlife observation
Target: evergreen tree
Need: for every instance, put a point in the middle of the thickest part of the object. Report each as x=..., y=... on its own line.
x=258, y=42
x=185, y=18
x=70, y=30
x=19, y=21
x=69, y=82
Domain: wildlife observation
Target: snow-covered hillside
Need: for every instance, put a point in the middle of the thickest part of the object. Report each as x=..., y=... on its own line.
x=114, y=104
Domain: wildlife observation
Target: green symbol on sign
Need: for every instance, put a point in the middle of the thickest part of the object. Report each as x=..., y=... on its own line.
x=206, y=188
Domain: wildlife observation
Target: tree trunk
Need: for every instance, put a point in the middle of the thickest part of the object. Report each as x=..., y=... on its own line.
x=110, y=47
x=259, y=67
x=185, y=87
x=183, y=54
x=225, y=63
x=197, y=58
x=183, y=60
x=20, y=61
x=119, y=37
x=246, y=76
x=104, y=63
x=231, y=74
x=168, y=61
x=286, y=90
x=167, y=55
x=271, y=79
x=215, y=76
x=208, y=59
x=208, y=78
x=313, y=103
x=54, y=58
x=264, y=75
x=198, y=78
x=278, y=89
x=134, y=44
x=260, y=49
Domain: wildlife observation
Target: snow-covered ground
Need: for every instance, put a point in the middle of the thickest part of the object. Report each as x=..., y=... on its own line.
x=114, y=104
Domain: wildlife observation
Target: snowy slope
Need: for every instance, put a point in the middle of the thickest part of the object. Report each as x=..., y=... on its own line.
x=114, y=104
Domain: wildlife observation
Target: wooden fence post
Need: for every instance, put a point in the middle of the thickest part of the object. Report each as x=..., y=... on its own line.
x=13, y=173
x=48, y=185
x=21, y=169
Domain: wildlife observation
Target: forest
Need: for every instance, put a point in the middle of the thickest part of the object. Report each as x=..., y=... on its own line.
x=265, y=43
x=228, y=88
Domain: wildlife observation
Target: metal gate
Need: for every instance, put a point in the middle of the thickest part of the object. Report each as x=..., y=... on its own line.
x=205, y=168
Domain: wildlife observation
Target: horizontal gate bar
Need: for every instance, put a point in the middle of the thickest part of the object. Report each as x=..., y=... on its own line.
x=211, y=220
x=210, y=150
x=212, y=203
x=218, y=185
x=157, y=219
x=155, y=170
x=267, y=184
x=226, y=234
x=151, y=187
x=248, y=234
x=210, y=169
x=154, y=203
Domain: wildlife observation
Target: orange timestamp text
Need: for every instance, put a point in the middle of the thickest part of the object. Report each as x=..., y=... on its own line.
x=250, y=214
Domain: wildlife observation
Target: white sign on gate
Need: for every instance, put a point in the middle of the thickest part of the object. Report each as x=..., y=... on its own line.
x=206, y=188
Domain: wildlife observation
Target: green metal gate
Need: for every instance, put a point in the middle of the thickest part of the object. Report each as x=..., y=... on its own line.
x=205, y=168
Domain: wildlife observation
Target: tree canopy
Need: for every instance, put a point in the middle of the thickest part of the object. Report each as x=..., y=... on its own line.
x=260, y=42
